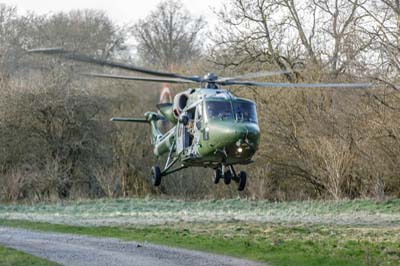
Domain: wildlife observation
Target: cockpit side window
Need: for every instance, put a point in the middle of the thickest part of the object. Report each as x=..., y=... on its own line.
x=245, y=111
x=218, y=110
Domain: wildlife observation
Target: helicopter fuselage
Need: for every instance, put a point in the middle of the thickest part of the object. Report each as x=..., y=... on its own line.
x=214, y=128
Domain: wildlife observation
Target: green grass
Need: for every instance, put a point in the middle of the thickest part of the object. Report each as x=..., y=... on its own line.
x=12, y=257
x=116, y=212
x=280, y=245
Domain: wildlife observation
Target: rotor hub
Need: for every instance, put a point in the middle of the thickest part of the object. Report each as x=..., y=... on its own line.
x=210, y=77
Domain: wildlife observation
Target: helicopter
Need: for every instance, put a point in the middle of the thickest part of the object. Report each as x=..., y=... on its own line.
x=212, y=127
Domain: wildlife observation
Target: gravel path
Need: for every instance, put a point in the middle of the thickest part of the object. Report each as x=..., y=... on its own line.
x=69, y=249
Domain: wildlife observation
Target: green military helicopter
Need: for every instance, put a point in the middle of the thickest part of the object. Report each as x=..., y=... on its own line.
x=212, y=127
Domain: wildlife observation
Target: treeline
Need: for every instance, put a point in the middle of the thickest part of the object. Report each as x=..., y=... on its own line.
x=56, y=140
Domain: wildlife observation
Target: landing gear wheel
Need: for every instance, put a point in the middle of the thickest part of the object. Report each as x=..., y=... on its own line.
x=242, y=176
x=156, y=176
x=228, y=177
x=217, y=175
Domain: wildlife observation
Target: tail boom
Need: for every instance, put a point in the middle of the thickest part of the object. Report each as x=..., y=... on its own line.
x=161, y=142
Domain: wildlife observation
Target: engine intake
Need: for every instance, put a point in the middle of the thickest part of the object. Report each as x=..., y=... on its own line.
x=180, y=102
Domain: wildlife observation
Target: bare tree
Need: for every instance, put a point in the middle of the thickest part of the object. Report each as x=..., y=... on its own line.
x=48, y=123
x=252, y=33
x=169, y=36
x=299, y=25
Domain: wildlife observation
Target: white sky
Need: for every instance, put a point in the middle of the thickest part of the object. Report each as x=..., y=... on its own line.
x=120, y=11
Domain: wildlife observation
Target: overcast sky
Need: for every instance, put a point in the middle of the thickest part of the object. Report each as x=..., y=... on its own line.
x=120, y=11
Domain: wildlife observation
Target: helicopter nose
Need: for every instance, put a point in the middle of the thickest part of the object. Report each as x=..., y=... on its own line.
x=247, y=133
x=235, y=134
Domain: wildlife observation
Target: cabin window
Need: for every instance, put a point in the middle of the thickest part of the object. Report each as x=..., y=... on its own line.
x=245, y=111
x=219, y=110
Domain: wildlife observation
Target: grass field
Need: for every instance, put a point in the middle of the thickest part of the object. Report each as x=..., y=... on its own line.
x=296, y=233
x=11, y=257
x=157, y=211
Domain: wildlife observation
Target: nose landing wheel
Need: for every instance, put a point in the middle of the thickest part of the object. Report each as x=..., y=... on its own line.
x=230, y=175
x=217, y=175
x=242, y=178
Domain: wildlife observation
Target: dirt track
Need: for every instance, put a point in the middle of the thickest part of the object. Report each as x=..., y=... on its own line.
x=77, y=250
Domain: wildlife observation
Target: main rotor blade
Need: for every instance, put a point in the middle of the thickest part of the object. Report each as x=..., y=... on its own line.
x=102, y=62
x=149, y=79
x=298, y=85
x=255, y=75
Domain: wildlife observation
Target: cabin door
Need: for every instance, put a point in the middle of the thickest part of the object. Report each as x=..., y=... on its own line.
x=182, y=140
